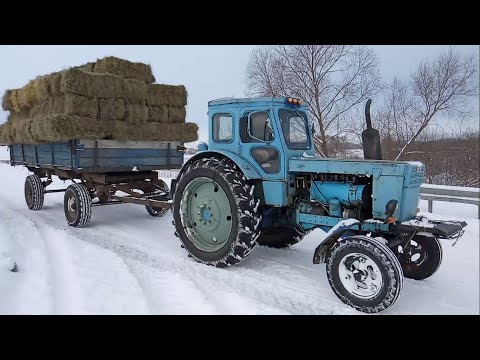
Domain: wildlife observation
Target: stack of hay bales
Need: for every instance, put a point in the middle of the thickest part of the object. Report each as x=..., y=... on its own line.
x=110, y=99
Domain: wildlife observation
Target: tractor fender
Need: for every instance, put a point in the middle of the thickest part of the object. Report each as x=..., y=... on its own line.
x=248, y=170
x=333, y=235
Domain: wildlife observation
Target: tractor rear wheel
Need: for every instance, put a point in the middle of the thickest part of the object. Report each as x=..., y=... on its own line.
x=279, y=237
x=215, y=212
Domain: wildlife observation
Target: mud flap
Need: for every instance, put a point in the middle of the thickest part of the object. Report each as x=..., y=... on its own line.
x=336, y=232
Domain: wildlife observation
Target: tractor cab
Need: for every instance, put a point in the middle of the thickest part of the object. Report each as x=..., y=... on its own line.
x=264, y=132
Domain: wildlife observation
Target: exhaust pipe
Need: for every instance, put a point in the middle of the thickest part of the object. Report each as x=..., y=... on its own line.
x=371, y=138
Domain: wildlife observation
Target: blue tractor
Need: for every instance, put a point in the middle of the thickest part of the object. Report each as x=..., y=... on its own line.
x=258, y=182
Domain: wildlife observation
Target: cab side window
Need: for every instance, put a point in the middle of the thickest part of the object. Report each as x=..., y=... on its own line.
x=222, y=127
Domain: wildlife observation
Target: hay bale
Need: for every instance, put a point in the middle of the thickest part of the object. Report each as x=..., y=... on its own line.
x=94, y=85
x=167, y=114
x=136, y=112
x=151, y=131
x=14, y=101
x=158, y=113
x=6, y=103
x=16, y=116
x=80, y=106
x=111, y=109
x=161, y=94
x=125, y=69
x=21, y=130
x=27, y=96
x=63, y=128
x=42, y=88
x=16, y=132
x=89, y=67
x=176, y=114
x=53, y=105
x=55, y=83
x=5, y=134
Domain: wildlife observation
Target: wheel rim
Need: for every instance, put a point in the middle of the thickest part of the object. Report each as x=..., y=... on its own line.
x=206, y=214
x=28, y=193
x=413, y=256
x=71, y=208
x=360, y=275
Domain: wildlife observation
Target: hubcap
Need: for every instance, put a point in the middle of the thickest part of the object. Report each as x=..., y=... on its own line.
x=206, y=214
x=360, y=275
x=72, y=206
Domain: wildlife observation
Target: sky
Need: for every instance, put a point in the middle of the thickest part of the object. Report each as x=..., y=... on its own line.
x=207, y=71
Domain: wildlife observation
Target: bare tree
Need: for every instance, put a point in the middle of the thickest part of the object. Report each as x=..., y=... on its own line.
x=442, y=86
x=331, y=79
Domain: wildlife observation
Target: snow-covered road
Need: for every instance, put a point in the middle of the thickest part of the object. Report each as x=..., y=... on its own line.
x=127, y=262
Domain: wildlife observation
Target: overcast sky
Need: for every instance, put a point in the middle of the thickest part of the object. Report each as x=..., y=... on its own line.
x=208, y=72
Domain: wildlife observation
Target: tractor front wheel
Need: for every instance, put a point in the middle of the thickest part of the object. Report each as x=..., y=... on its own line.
x=421, y=258
x=215, y=212
x=364, y=273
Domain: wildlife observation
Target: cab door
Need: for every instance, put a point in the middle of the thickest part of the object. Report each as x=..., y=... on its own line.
x=260, y=144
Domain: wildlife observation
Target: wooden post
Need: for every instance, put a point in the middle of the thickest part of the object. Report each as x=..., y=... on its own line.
x=430, y=206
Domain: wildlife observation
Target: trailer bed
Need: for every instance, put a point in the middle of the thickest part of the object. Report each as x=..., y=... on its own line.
x=99, y=156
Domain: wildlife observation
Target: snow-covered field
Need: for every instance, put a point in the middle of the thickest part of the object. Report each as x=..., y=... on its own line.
x=127, y=262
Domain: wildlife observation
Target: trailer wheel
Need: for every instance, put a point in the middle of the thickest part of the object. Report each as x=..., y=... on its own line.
x=34, y=192
x=215, y=212
x=156, y=212
x=77, y=204
x=279, y=237
x=159, y=212
x=364, y=273
x=421, y=258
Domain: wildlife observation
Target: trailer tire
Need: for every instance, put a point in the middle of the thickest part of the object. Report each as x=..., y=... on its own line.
x=34, y=192
x=231, y=205
x=77, y=204
x=279, y=237
x=156, y=212
x=159, y=212
x=376, y=281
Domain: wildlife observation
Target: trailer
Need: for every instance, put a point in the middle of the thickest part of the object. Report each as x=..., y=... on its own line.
x=100, y=170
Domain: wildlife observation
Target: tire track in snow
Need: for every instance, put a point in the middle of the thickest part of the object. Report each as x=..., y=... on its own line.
x=246, y=285
x=67, y=298
x=278, y=294
x=34, y=282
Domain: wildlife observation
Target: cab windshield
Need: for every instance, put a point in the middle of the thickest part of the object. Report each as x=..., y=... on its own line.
x=295, y=129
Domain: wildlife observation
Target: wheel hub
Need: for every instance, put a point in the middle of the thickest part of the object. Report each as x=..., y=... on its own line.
x=72, y=206
x=413, y=255
x=360, y=275
x=206, y=214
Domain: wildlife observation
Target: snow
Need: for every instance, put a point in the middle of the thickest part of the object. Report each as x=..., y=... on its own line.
x=6, y=263
x=341, y=224
x=432, y=186
x=127, y=262
x=416, y=163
